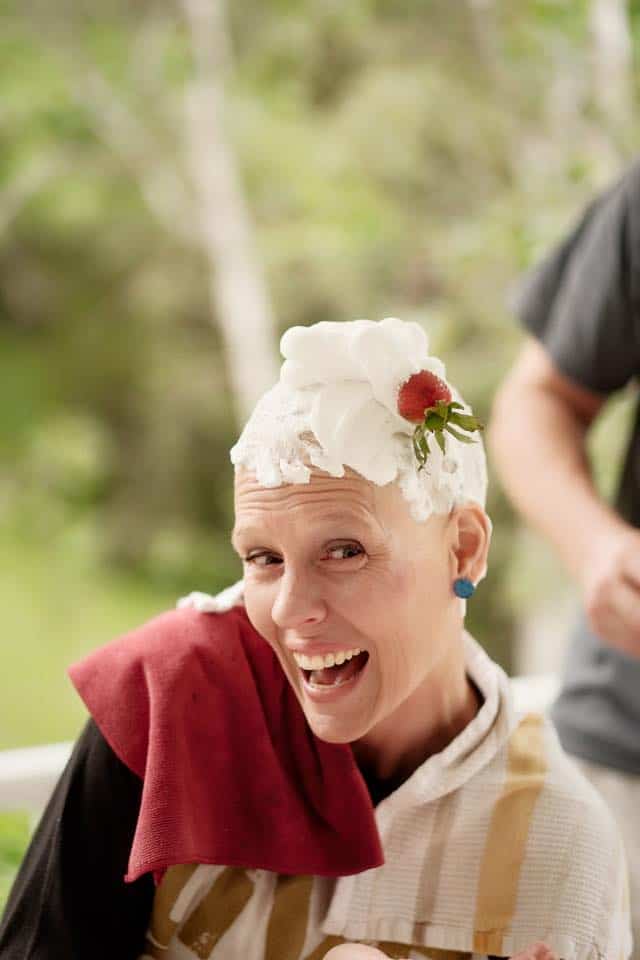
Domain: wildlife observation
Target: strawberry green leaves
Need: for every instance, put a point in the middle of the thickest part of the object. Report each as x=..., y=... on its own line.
x=440, y=419
x=425, y=399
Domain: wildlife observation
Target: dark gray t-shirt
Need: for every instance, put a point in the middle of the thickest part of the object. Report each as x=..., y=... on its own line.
x=582, y=303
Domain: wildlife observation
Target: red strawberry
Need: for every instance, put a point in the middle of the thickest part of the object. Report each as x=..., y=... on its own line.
x=419, y=392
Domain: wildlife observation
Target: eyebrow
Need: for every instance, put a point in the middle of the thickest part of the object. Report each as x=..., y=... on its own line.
x=336, y=516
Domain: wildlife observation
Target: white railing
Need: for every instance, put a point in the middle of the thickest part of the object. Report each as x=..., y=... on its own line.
x=28, y=775
x=535, y=693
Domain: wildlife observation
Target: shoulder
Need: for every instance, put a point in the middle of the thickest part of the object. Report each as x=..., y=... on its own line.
x=590, y=247
x=540, y=795
x=176, y=635
x=565, y=793
x=551, y=858
x=168, y=641
x=145, y=678
x=572, y=867
x=566, y=812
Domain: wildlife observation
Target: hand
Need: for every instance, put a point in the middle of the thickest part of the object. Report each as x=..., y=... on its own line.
x=611, y=586
x=358, y=951
x=537, y=951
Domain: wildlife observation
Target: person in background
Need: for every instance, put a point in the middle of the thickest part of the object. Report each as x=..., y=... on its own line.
x=581, y=309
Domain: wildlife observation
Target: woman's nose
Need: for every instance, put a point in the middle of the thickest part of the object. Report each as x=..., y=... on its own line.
x=298, y=602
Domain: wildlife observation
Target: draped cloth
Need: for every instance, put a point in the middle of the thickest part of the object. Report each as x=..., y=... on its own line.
x=197, y=705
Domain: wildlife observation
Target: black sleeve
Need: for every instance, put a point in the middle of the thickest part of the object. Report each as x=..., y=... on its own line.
x=582, y=301
x=69, y=900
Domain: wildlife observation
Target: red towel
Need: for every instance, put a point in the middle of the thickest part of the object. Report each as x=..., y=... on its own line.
x=197, y=705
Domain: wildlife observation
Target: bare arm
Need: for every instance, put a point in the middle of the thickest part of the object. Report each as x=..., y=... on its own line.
x=538, y=439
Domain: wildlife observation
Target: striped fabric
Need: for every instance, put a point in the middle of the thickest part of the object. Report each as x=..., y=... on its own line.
x=491, y=844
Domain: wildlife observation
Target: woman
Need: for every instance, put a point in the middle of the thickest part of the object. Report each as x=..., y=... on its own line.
x=321, y=760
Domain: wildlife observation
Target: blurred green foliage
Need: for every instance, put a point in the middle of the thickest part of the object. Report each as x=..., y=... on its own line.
x=14, y=835
x=399, y=158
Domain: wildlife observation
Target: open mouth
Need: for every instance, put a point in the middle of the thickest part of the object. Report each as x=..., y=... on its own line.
x=338, y=674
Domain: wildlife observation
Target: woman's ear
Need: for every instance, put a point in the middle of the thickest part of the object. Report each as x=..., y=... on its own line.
x=470, y=538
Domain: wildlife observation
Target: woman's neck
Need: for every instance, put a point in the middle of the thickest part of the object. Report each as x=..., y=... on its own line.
x=423, y=725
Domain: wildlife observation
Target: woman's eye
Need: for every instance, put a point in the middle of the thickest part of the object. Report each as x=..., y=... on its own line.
x=348, y=551
x=262, y=559
x=343, y=551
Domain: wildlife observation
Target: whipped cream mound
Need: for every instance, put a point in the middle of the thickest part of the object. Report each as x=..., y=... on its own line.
x=335, y=406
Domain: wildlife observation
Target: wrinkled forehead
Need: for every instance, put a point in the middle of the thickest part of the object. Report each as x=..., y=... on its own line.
x=350, y=490
x=331, y=506
x=324, y=498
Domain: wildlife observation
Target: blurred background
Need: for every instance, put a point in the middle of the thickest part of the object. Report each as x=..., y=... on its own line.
x=179, y=183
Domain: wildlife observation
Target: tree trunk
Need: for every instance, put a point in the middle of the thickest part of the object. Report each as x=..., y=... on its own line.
x=485, y=28
x=612, y=75
x=238, y=290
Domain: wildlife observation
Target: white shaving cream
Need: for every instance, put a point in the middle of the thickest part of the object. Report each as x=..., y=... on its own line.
x=335, y=406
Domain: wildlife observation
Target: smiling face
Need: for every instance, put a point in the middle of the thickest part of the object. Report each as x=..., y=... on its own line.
x=338, y=566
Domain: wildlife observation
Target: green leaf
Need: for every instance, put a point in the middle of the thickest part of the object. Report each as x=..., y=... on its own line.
x=441, y=441
x=459, y=436
x=420, y=448
x=434, y=422
x=420, y=445
x=456, y=406
x=466, y=422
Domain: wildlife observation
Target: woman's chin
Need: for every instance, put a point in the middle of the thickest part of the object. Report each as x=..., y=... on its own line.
x=335, y=729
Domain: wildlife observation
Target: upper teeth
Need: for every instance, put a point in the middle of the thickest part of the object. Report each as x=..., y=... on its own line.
x=330, y=660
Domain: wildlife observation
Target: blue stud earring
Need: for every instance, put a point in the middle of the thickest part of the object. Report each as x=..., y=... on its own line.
x=463, y=588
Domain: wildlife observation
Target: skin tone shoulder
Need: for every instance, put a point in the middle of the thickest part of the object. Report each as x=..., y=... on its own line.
x=339, y=565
